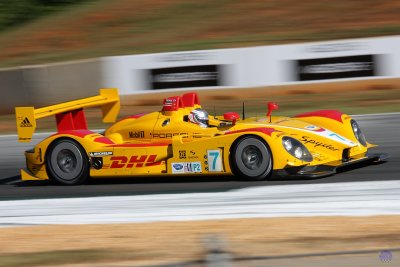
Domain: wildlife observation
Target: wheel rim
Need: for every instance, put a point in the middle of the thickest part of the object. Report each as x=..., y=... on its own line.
x=252, y=157
x=66, y=161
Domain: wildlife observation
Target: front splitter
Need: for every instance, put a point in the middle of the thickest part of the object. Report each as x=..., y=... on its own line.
x=325, y=170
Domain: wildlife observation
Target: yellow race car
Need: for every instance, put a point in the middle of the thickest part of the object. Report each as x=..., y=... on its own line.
x=181, y=139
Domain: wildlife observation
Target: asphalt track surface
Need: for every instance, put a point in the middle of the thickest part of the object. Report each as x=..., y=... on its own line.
x=381, y=129
x=332, y=199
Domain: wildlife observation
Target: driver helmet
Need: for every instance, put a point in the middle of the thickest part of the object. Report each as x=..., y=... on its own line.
x=199, y=116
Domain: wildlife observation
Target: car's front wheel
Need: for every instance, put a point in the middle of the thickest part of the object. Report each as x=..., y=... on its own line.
x=251, y=158
x=67, y=163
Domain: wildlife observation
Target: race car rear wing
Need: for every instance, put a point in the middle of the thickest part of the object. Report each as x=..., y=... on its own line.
x=69, y=115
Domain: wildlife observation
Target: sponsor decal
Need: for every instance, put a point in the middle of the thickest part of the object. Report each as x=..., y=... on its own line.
x=336, y=67
x=186, y=167
x=214, y=160
x=182, y=154
x=169, y=102
x=177, y=168
x=118, y=162
x=170, y=135
x=307, y=140
x=331, y=135
x=186, y=76
x=26, y=123
x=139, y=134
x=192, y=155
x=314, y=128
x=101, y=154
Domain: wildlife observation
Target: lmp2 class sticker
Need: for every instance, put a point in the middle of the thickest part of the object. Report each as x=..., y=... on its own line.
x=214, y=160
x=186, y=167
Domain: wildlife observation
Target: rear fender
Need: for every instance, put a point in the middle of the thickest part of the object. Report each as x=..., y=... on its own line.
x=90, y=142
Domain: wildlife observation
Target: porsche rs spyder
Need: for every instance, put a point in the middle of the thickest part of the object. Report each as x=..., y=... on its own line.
x=167, y=142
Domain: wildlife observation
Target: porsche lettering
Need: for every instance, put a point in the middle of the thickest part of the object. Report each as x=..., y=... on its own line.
x=170, y=135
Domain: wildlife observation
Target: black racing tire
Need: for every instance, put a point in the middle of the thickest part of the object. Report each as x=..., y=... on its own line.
x=67, y=163
x=251, y=158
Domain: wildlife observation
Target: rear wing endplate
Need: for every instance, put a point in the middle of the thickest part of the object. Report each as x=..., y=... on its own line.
x=69, y=115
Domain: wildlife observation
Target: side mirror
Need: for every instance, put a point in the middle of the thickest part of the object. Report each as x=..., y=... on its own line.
x=231, y=116
x=271, y=107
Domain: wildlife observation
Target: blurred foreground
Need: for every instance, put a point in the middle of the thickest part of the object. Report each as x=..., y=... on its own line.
x=270, y=242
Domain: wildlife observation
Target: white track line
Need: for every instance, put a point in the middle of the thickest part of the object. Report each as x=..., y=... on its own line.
x=336, y=199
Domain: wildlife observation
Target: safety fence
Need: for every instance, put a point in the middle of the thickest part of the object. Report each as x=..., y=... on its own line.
x=222, y=69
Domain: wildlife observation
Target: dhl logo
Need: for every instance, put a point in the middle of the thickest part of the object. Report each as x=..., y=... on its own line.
x=118, y=162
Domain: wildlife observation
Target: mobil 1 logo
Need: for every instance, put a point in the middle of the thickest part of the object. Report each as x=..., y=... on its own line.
x=336, y=67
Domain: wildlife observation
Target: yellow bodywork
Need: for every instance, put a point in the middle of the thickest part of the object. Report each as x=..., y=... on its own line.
x=26, y=116
x=161, y=142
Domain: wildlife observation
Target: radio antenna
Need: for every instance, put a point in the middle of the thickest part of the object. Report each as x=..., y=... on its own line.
x=243, y=111
x=215, y=114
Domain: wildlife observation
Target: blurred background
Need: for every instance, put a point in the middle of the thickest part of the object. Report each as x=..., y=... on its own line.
x=304, y=55
x=310, y=55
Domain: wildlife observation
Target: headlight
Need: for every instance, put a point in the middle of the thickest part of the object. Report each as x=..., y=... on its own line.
x=287, y=143
x=296, y=149
x=358, y=133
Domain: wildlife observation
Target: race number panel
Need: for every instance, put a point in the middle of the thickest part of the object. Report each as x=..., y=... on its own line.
x=214, y=159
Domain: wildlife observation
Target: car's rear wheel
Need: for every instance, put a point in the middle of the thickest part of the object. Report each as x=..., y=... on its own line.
x=251, y=158
x=67, y=163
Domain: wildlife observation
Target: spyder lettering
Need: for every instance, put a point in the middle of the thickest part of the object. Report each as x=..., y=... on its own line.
x=306, y=140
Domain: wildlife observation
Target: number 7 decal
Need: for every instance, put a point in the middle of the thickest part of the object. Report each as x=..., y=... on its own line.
x=214, y=160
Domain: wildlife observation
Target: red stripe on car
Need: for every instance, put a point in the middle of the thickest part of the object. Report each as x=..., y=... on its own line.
x=330, y=114
x=103, y=140
x=78, y=133
x=264, y=130
x=139, y=145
